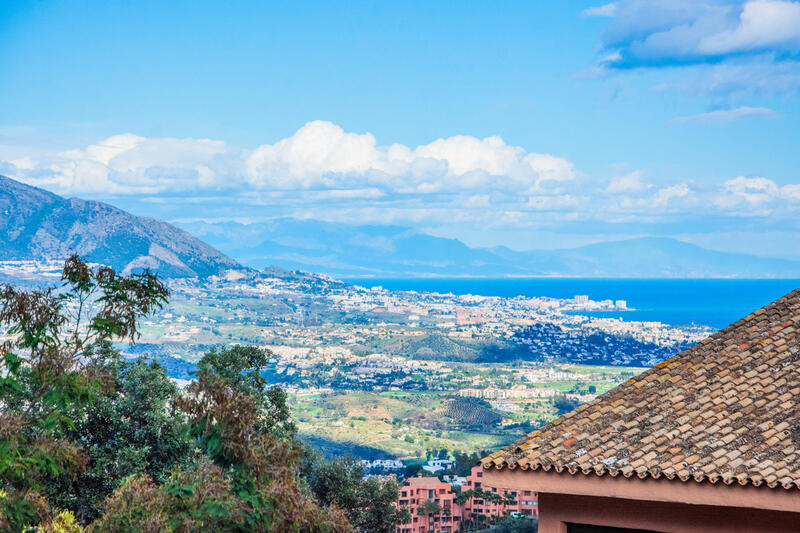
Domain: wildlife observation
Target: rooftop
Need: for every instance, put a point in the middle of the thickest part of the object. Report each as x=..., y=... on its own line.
x=724, y=410
x=425, y=482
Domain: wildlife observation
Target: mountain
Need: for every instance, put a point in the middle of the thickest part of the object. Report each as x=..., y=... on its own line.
x=37, y=224
x=385, y=251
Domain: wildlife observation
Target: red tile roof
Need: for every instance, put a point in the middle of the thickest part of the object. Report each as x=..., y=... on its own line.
x=724, y=410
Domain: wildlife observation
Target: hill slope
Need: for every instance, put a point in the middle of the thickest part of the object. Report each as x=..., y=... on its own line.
x=350, y=250
x=37, y=224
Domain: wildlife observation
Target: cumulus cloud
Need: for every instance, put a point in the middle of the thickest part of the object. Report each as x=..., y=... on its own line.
x=743, y=193
x=727, y=115
x=664, y=197
x=322, y=171
x=320, y=155
x=129, y=164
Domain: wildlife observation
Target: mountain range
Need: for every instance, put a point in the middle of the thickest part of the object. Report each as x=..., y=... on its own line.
x=394, y=251
x=36, y=224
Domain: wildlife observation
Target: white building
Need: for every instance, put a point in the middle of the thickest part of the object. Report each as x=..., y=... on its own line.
x=437, y=465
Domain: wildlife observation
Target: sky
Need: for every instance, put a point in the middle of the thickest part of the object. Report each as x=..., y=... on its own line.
x=523, y=124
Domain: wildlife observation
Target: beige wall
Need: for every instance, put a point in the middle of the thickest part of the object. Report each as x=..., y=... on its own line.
x=556, y=510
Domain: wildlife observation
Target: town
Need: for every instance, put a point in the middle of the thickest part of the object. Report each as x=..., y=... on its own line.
x=389, y=375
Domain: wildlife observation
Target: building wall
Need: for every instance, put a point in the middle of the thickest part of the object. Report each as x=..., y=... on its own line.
x=417, y=490
x=526, y=500
x=557, y=510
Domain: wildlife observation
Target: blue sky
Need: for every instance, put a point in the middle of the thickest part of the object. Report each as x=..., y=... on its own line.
x=527, y=124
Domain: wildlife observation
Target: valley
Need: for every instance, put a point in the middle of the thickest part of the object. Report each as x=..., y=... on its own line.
x=395, y=374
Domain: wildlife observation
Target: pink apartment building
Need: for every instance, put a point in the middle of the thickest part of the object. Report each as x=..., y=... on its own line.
x=525, y=501
x=413, y=496
x=418, y=490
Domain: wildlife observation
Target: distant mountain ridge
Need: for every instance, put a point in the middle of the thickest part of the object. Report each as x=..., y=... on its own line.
x=385, y=251
x=37, y=224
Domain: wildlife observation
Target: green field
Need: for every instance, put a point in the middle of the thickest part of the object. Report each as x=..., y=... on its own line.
x=406, y=424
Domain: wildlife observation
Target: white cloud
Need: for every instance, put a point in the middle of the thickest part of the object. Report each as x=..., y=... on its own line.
x=763, y=24
x=660, y=32
x=322, y=154
x=791, y=192
x=607, y=10
x=129, y=164
x=757, y=196
x=754, y=191
x=728, y=48
x=314, y=151
x=630, y=182
x=324, y=170
x=727, y=115
x=664, y=197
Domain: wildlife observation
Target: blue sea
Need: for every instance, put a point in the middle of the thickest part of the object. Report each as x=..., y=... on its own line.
x=709, y=302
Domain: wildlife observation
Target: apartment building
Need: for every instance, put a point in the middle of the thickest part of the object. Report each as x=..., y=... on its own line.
x=433, y=508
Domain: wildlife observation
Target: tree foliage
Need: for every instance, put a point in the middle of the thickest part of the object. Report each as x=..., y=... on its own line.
x=131, y=429
x=49, y=375
x=368, y=504
x=88, y=439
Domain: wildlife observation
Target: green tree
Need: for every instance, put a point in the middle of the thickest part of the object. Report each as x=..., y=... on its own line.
x=413, y=470
x=515, y=525
x=429, y=508
x=463, y=496
x=131, y=429
x=231, y=422
x=49, y=375
x=509, y=499
x=198, y=500
x=368, y=504
x=240, y=368
x=563, y=404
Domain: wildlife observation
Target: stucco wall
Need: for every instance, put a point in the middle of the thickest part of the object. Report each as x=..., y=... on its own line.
x=556, y=510
x=648, y=489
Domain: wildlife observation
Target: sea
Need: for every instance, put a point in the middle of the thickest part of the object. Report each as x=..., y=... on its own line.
x=709, y=302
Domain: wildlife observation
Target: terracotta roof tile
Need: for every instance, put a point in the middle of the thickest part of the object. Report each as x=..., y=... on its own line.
x=724, y=410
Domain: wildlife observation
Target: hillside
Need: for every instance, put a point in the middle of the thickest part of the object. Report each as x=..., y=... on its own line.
x=37, y=224
x=395, y=251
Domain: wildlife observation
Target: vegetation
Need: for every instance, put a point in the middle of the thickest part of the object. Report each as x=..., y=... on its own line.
x=369, y=505
x=515, y=525
x=471, y=412
x=89, y=440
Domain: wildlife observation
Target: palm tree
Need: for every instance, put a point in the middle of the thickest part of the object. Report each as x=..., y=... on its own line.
x=509, y=499
x=430, y=508
x=462, y=497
